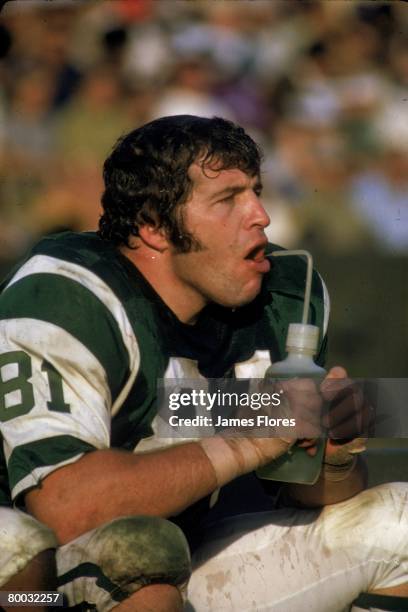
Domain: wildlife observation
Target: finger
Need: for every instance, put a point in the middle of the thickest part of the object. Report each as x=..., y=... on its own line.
x=358, y=424
x=307, y=442
x=309, y=445
x=343, y=431
x=308, y=430
x=347, y=404
x=331, y=387
x=337, y=372
x=348, y=413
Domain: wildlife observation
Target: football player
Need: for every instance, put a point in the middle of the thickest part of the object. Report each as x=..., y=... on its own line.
x=175, y=284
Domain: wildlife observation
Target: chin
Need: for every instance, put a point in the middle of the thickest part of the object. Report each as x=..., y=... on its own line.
x=246, y=300
x=245, y=296
x=250, y=292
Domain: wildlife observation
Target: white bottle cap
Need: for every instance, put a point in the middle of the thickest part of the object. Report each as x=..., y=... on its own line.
x=302, y=336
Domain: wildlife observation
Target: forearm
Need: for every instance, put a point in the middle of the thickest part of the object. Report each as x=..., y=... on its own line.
x=106, y=484
x=328, y=490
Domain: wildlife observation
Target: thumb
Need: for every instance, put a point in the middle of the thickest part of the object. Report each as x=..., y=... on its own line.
x=329, y=388
x=337, y=372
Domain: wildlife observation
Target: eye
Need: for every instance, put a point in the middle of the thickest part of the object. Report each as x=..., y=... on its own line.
x=258, y=191
x=228, y=200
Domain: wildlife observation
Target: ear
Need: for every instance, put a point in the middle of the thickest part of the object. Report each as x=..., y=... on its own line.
x=154, y=237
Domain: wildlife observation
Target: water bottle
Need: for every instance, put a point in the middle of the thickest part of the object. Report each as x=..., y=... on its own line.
x=296, y=465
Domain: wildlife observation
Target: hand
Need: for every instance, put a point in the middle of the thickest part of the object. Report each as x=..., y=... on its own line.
x=348, y=414
x=301, y=400
x=347, y=418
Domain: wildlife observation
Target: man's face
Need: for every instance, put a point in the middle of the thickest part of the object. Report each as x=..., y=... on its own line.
x=225, y=215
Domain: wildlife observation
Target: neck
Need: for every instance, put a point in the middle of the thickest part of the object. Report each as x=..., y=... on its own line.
x=183, y=300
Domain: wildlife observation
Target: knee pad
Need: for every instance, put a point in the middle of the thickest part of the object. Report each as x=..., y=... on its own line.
x=137, y=551
x=22, y=538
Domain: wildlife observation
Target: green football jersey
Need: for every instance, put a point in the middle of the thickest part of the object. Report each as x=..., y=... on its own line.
x=85, y=338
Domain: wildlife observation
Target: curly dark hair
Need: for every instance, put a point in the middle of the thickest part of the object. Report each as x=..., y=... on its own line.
x=146, y=175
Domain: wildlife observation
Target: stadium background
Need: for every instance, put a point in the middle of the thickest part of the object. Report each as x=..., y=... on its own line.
x=321, y=85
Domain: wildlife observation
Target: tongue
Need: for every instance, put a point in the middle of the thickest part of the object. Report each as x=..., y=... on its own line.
x=256, y=255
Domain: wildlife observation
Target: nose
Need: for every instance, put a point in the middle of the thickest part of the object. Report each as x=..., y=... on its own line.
x=258, y=215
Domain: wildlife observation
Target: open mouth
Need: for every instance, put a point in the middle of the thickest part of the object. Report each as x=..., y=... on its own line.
x=257, y=253
x=257, y=260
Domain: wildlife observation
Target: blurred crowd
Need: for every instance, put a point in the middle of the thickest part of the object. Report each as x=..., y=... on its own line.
x=323, y=86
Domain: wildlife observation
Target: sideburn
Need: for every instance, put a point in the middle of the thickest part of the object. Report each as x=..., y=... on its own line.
x=183, y=240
